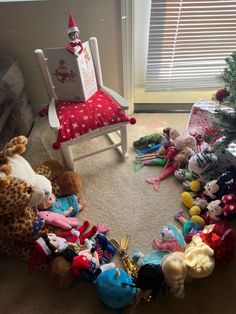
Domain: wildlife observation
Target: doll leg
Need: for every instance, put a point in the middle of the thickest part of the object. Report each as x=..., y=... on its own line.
x=84, y=226
x=81, y=202
x=179, y=216
x=88, y=235
x=75, y=234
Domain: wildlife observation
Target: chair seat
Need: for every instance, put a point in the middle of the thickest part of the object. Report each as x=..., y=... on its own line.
x=78, y=118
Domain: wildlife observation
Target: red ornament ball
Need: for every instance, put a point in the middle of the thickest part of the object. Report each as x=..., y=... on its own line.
x=221, y=94
x=56, y=145
x=132, y=120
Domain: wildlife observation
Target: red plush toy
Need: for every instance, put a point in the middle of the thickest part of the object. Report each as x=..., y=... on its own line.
x=222, y=240
x=87, y=264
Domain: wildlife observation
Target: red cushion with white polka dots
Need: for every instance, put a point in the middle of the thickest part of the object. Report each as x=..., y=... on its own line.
x=79, y=118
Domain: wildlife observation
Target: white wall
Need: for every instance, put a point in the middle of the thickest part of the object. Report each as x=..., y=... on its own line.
x=26, y=26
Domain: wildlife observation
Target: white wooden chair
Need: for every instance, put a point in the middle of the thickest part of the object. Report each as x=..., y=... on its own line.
x=55, y=93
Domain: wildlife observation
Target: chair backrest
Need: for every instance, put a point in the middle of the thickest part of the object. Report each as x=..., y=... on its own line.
x=68, y=77
x=73, y=77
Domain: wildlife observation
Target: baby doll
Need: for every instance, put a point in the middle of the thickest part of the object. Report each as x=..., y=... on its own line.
x=69, y=205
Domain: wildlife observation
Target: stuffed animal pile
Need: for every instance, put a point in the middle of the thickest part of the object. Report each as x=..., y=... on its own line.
x=21, y=190
x=67, y=249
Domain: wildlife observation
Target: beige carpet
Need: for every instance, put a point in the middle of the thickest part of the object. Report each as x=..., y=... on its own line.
x=119, y=197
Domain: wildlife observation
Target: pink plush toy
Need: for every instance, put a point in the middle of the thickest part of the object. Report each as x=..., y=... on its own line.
x=58, y=220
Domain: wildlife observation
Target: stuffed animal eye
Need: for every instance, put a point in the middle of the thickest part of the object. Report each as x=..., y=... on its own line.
x=29, y=190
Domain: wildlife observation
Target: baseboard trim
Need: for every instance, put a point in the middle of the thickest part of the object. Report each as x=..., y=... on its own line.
x=162, y=108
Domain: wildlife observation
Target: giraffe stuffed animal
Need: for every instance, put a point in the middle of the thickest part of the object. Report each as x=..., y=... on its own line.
x=18, y=220
x=20, y=227
x=19, y=192
x=49, y=176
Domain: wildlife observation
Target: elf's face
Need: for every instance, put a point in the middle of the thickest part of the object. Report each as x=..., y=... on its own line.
x=54, y=240
x=74, y=35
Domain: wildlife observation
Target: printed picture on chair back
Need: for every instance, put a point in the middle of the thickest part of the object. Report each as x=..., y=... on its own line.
x=73, y=76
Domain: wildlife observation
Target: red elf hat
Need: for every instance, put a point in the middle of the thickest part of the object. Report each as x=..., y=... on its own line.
x=72, y=26
x=39, y=251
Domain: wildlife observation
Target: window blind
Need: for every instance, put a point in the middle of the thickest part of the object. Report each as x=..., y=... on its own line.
x=188, y=43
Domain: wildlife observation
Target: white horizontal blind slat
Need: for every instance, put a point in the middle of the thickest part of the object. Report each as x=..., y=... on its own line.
x=188, y=43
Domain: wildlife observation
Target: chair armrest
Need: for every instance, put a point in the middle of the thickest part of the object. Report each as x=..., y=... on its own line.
x=121, y=100
x=52, y=115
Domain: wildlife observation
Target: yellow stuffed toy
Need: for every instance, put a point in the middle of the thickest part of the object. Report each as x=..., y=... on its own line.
x=189, y=201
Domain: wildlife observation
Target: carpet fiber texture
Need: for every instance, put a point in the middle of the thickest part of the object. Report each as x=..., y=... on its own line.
x=120, y=198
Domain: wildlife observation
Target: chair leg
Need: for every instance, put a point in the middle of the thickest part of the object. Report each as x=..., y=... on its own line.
x=124, y=141
x=68, y=156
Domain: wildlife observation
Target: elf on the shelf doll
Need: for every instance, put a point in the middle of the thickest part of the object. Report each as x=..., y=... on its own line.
x=74, y=46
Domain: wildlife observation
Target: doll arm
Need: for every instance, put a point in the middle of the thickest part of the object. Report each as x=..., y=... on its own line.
x=68, y=211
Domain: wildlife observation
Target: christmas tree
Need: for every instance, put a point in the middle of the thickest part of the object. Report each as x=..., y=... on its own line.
x=225, y=120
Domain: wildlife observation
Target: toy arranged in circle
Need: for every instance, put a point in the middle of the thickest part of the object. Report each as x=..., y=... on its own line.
x=69, y=250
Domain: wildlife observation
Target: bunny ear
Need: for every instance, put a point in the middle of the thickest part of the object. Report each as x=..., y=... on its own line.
x=124, y=242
